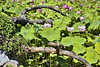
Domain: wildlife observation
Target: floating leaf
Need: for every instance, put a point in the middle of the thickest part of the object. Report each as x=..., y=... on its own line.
x=97, y=47
x=59, y=24
x=51, y=34
x=67, y=41
x=78, y=39
x=78, y=48
x=27, y=32
x=94, y=25
x=91, y=55
x=71, y=14
x=17, y=10
x=87, y=20
x=66, y=20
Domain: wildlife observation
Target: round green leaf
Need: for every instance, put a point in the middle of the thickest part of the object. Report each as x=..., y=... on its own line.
x=78, y=48
x=91, y=55
x=67, y=41
x=79, y=40
x=51, y=34
x=59, y=24
x=27, y=32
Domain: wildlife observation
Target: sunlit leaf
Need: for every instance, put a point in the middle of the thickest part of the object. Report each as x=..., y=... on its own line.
x=51, y=34
x=78, y=48
x=67, y=41
x=91, y=56
x=97, y=47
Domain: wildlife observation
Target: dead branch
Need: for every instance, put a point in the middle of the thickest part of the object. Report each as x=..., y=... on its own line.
x=55, y=44
x=22, y=21
x=39, y=7
x=53, y=51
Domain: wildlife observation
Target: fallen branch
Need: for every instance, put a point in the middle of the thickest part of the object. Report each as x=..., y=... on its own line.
x=39, y=7
x=53, y=51
x=22, y=21
x=55, y=44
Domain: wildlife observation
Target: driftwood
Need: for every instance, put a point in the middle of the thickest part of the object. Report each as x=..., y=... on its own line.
x=53, y=51
x=23, y=19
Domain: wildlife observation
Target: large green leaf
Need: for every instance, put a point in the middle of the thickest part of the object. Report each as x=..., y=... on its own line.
x=12, y=9
x=67, y=41
x=97, y=47
x=59, y=24
x=91, y=55
x=94, y=25
x=51, y=34
x=71, y=14
x=78, y=39
x=78, y=48
x=27, y=32
x=66, y=20
x=17, y=10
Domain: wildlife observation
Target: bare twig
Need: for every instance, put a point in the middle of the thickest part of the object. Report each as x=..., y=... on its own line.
x=53, y=51
x=39, y=7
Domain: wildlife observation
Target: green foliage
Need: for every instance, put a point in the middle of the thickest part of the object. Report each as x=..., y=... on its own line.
x=67, y=41
x=5, y=25
x=78, y=48
x=27, y=32
x=84, y=44
x=9, y=66
x=90, y=53
x=97, y=39
x=94, y=25
x=17, y=10
x=97, y=45
x=59, y=24
x=62, y=62
x=76, y=26
x=51, y=34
